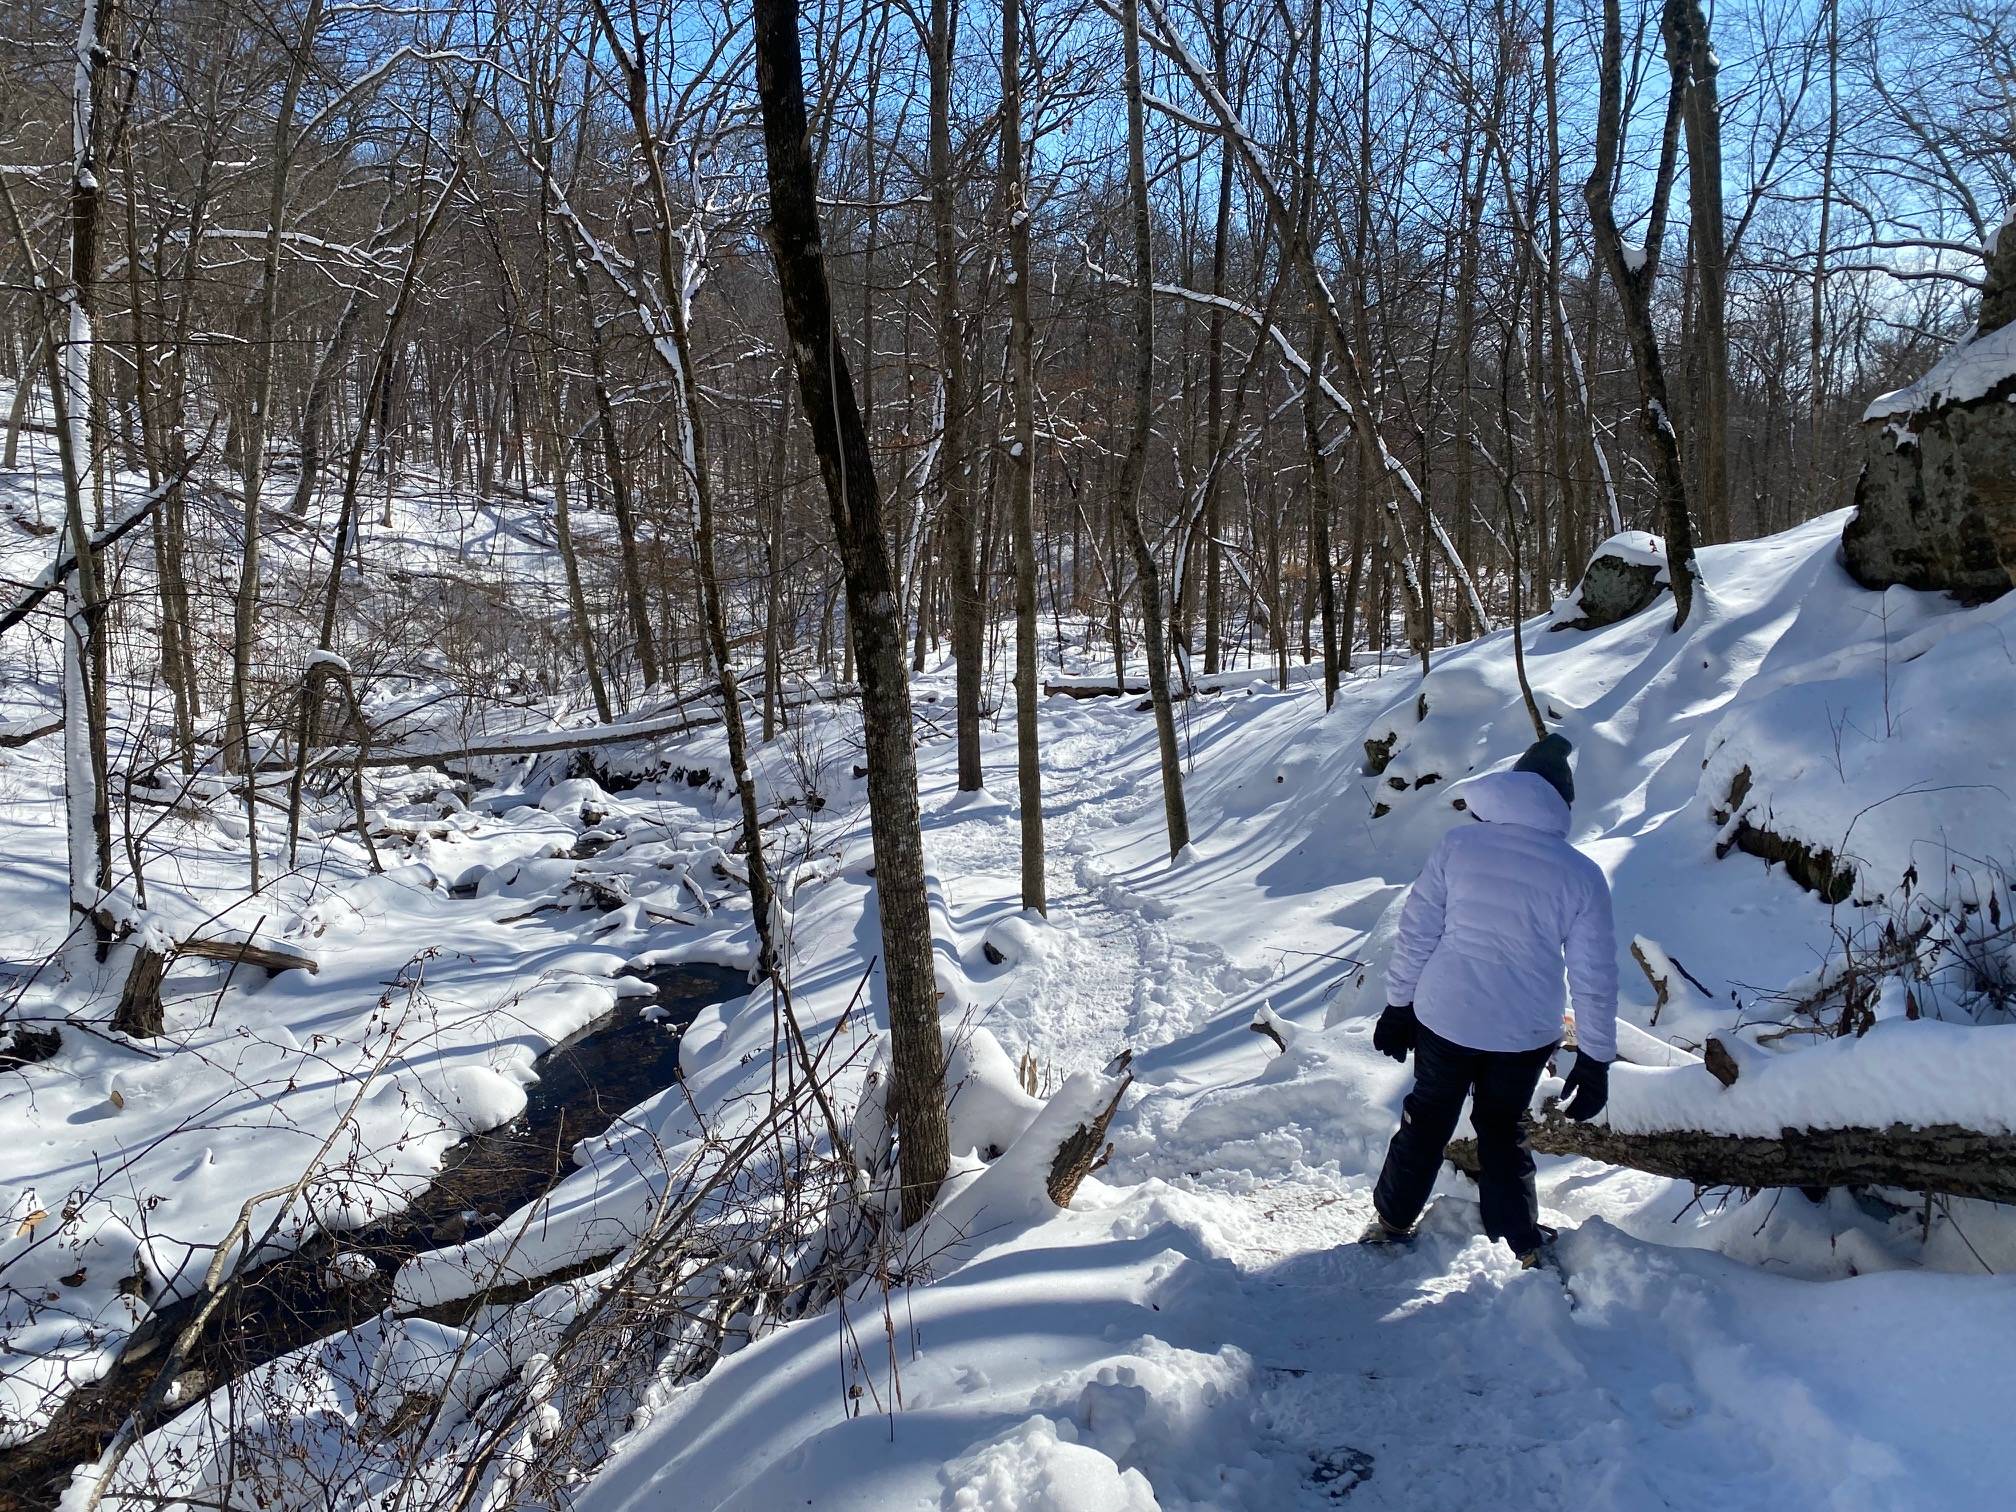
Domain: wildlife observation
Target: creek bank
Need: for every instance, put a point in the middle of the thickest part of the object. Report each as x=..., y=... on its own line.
x=338, y=1281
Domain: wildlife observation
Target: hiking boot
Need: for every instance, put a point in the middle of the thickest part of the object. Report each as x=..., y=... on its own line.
x=1379, y=1231
x=1541, y=1253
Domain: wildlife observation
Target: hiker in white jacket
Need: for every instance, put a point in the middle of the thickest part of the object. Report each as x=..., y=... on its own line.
x=1474, y=990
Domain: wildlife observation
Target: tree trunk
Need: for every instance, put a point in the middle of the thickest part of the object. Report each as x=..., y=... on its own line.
x=958, y=563
x=618, y=469
x=70, y=359
x=1816, y=394
x=245, y=607
x=1022, y=461
x=1943, y=1158
x=917, y=1088
x=1634, y=280
x=675, y=348
x=1128, y=505
x=1692, y=63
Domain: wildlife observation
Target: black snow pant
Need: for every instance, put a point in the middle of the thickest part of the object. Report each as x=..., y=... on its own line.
x=1501, y=1083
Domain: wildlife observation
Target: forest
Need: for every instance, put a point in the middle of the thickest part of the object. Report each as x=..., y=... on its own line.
x=714, y=722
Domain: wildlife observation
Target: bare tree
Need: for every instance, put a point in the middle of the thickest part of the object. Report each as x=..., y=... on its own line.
x=1633, y=272
x=917, y=1091
x=1022, y=460
x=959, y=561
x=1128, y=500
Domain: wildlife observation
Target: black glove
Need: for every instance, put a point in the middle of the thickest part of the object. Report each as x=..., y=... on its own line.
x=1394, y=1033
x=1586, y=1089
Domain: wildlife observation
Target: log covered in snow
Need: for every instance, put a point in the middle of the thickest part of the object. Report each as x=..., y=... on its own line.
x=1921, y=1105
x=1944, y=1158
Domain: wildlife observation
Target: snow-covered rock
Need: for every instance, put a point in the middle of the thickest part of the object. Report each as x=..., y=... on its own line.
x=1625, y=575
x=1935, y=507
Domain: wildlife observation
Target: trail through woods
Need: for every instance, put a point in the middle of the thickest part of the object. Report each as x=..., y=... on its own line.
x=1198, y=1330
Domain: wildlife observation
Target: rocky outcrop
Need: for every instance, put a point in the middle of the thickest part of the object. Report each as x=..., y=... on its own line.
x=1625, y=575
x=1935, y=507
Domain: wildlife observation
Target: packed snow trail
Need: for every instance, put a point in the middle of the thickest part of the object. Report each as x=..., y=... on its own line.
x=1109, y=972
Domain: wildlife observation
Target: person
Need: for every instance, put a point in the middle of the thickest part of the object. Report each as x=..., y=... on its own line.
x=1474, y=990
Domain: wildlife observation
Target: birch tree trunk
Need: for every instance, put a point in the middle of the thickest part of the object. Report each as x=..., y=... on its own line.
x=88, y=820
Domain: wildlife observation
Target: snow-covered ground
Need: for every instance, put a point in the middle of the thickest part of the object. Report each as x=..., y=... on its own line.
x=1197, y=1331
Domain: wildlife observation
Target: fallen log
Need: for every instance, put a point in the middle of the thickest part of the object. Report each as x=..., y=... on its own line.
x=245, y=953
x=1941, y=1158
x=1092, y=690
x=537, y=742
x=141, y=1013
x=21, y=732
x=1202, y=687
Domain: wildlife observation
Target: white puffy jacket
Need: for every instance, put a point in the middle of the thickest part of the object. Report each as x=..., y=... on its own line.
x=1491, y=917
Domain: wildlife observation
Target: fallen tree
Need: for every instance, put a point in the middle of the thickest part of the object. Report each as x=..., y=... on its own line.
x=542, y=740
x=1947, y=1158
x=141, y=1013
x=1942, y=1158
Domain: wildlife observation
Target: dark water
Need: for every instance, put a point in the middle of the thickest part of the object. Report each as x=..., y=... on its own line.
x=585, y=1084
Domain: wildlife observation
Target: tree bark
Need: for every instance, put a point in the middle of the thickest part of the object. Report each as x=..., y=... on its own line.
x=1128, y=505
x=955, y=452
x=1634, y=280
x=618, y=468
x=1941, y=1158
x=1022, y=461
x=675, y=348
x=1692, y=63
x=245, y=607
x=917, y=1088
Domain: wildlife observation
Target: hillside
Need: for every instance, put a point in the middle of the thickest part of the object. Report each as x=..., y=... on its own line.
x=1196, y=1331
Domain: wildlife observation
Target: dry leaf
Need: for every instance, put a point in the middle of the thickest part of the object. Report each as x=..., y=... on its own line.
x=117, y=1097
x=75, y=1278
x=28, y=1224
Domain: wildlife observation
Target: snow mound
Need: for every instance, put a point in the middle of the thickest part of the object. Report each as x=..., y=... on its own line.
x=986, y=1102
x=1038, y=1466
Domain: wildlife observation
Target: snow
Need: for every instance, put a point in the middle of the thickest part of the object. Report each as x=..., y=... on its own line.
x=1911, y=1072
x=1199, y=1317
x=1039, y=1466
x=1640, y=548
x=1197, y=1330
x=1968, y=371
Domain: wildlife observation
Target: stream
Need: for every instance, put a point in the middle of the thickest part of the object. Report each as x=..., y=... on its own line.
x=586, y=1082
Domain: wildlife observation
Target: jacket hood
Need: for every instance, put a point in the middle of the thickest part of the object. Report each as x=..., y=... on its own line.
x=1517, y=798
